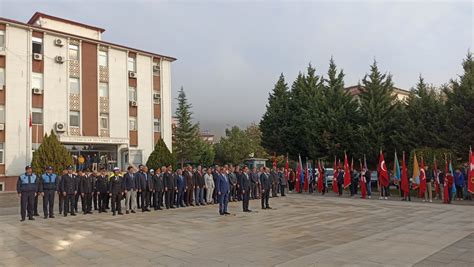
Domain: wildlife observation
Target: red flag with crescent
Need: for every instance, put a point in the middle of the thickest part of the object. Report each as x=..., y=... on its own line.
x=422, y=178
x=335, y=189
x=382, y=169
x=470, y=185
x=320, y=177
x=347, y=173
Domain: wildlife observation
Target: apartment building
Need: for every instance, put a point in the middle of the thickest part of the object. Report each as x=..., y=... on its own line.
x=102, y=99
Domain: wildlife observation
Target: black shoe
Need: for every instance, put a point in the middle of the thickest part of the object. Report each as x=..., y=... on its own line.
x=51, y=216
x=73, y=214
x=31, y=219
x=226, y=213
x=22, y=220
x=127, y=212
x=36, y=214
x=172, y=207
x=221, y=213
x=120, y=213
x=133, y=211
x=159, y=209
x=46, y=216
x=147, y=210
x=269, y=207
x=249, y=210
x=263, y=208
x=113, y=214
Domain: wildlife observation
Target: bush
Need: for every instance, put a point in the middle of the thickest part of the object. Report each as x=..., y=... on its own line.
x=51, y=153
x=160, y=157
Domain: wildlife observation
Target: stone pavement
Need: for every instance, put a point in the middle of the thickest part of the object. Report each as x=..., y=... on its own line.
x=301, y=230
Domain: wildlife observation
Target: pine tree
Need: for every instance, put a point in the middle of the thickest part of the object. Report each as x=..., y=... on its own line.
x=275, y=120
x=377, y=105
x=186, y=135
x=161, y=156
x=460, y=104
x=339, y=116
x=51, y=153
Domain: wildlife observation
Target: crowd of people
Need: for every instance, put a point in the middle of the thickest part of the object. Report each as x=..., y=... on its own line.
x=442, y=185
x=145, y=189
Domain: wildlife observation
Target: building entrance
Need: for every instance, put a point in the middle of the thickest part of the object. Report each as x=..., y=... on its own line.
x=93, y=157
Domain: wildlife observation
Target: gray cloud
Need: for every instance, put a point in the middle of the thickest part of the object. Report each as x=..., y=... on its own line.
x=231, y=53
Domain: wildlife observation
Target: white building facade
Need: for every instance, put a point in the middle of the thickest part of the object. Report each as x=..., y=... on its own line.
x=105, y=101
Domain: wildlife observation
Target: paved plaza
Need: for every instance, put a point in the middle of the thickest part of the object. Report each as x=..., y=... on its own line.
x=300, y=230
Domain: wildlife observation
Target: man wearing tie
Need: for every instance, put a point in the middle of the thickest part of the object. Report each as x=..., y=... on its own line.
x=266, y=184
x=146, y=187
x=69, y=188
x=245, y=187
x=223, y=191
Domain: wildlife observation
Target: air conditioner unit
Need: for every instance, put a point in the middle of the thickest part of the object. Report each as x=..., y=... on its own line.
x=37, y=91
x=132, y=74
x=59, y=59
x=156, y=68
x=2, y=51
x=156, y=96
x=60, y=127
x=133, y=103
x=58, y=42
x=2, y=126
x=37, y=56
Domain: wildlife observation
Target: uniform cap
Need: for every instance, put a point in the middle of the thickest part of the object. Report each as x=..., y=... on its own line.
x=116, y=169
x=69, y=167
x=28, y=167
x=49, y=168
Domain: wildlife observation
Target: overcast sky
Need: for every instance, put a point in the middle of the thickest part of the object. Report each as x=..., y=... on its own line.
x=230, y=53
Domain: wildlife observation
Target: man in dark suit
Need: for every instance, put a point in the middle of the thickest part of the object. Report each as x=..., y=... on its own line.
x=245, y=187
x=274, y=181
x=69, y=190
x=158, y=189
x=181, y=184
x=86, y=185
x=266, y=185
x=102, y=187
x=146, y=187
x=168, y=182
x=190, y=185
x=116, y=189
x=223, y=190
x=215, y=175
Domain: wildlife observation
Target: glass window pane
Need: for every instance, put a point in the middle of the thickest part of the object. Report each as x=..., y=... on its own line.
x=156, y=125
x=73, y=52
x=74, y=118
x=2, y=40
x=37, y=48
x=73, y=86
x=37, y=116
x=2, y=114
x=133, y=124
x=103, y=58
x=103, y=90
x=2, y=77
x=131, y=64
x=132, y=94
x=104, y=121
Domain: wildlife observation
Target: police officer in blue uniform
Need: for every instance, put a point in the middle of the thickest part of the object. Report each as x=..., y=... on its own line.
x=27, y=188
x=47, y=188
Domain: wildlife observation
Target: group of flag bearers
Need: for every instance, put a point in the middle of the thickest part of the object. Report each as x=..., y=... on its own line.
x=447, y=183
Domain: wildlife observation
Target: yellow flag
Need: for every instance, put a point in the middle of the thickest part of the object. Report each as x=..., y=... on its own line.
x=416, y=170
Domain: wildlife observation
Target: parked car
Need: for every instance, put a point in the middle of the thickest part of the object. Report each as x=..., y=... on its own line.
x=329, y=175
x=373, y=178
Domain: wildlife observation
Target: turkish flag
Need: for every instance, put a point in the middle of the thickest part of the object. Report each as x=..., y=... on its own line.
x=382, y=169
x=320, y=178
x=335, y=188
x=422, y=179
x=298, y=175
x=362, y=184
x=306, y=177
x=347, y=174
x=470, y=175
x=405, y=184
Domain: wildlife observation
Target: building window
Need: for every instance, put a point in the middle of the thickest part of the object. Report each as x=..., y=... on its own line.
x=73, y=52
x=132, y=93
x=156, y=125
x=132, y=124
x=104, y=121
x=74, y=86
x=103, y=58
x=1, y=154
x=37, y=116
x=2, y=78
x=2, y=114
x=156, y=68
x=37, y=80
x=2, y=40
x=37, y=45
x=131, y=64
x=156, y=97
x=103, y=90
x=74, y=119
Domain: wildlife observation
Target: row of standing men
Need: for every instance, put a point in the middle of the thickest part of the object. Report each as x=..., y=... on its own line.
x=145, y=189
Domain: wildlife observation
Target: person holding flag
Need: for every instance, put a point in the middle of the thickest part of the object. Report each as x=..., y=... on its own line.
x=335, y=187
x=362, y=181
x=404, y=180
x=422, y=188
x=347, y=173
x=298, y=175
x=396, y=173
x=429, y=179
x=383, y=177
x=436, y=174
x=470, y=175
x=321, y=179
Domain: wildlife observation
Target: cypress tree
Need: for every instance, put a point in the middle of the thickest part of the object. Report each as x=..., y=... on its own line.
x=161, y=156
x=51, y=153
